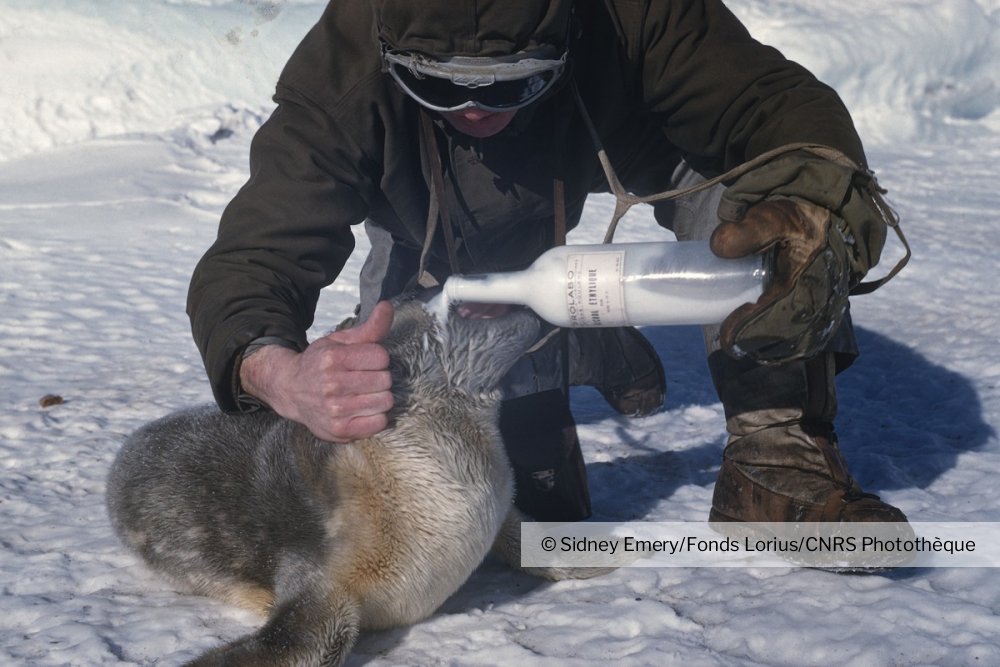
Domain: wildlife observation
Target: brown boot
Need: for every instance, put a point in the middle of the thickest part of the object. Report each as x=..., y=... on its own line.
x=782, y=463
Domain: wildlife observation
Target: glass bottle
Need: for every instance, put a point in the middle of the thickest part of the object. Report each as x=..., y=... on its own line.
x=607, y=285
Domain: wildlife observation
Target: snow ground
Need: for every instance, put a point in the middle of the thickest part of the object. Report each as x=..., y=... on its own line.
x=125, y=131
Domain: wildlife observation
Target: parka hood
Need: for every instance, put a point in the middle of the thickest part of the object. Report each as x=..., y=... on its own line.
x=446, y=28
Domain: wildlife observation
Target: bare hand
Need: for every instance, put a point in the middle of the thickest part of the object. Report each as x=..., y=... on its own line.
x=339, y=387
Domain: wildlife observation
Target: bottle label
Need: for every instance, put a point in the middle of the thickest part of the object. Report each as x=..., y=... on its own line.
x=595, y=293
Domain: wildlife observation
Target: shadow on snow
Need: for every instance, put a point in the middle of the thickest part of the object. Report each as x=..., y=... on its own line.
x=903, y=422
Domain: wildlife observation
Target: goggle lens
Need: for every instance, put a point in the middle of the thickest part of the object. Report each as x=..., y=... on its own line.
x=442, y=94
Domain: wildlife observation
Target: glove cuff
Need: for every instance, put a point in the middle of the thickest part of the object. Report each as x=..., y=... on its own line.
x=839, y=186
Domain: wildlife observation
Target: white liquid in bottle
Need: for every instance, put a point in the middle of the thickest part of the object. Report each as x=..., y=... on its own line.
x=619, y=284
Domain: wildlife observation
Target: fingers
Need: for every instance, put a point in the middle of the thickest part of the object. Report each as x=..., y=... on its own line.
x=344, y=415
x=339, y=356
x=351, y=394
x=345, y=395
x=340, y=387
x=347, y=417
x=350, y=406
x=372, y=330
x=355, y=428
x=343, y=382
x=355, y=384
x=358, y=348
x=346, y=405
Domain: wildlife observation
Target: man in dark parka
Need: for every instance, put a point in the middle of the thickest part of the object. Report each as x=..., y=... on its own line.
x=379, y=123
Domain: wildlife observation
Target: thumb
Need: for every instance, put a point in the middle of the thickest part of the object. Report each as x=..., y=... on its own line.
x=763, y=225
x=372, y=330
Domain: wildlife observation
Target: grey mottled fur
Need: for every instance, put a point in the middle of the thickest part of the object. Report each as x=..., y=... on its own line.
x=329, y=539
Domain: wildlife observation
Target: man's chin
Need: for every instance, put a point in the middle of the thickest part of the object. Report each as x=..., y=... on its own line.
x=481, y=127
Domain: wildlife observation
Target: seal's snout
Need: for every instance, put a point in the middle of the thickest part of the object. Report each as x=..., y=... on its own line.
x=518, y=324
x=482, y=311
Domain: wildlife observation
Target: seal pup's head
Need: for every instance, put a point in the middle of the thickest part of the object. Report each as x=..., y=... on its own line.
x=467, y=354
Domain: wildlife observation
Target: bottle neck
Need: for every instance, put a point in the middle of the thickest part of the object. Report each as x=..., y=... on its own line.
x=513, y=287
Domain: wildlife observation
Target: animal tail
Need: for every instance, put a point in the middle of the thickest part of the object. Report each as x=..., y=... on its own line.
x=315, y=628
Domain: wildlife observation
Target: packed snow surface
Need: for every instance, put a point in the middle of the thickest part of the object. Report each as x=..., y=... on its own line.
x=125, y=130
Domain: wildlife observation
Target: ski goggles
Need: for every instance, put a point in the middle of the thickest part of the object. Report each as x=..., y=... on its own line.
x=492, y=84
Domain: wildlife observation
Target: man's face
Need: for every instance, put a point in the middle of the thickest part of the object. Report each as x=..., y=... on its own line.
x=477, y=96
x=479, y=123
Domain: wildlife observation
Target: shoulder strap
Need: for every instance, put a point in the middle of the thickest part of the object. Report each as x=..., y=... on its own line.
x=624, y=200
x=436, y=208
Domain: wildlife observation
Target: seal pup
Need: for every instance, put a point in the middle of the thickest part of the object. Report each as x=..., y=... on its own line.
x=329, y=539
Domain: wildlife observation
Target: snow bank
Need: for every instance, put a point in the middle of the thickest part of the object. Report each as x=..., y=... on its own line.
x=79, y=69
x=909, y=71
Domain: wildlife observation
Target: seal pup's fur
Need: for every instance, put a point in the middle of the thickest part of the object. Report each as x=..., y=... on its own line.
x=329, y=539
